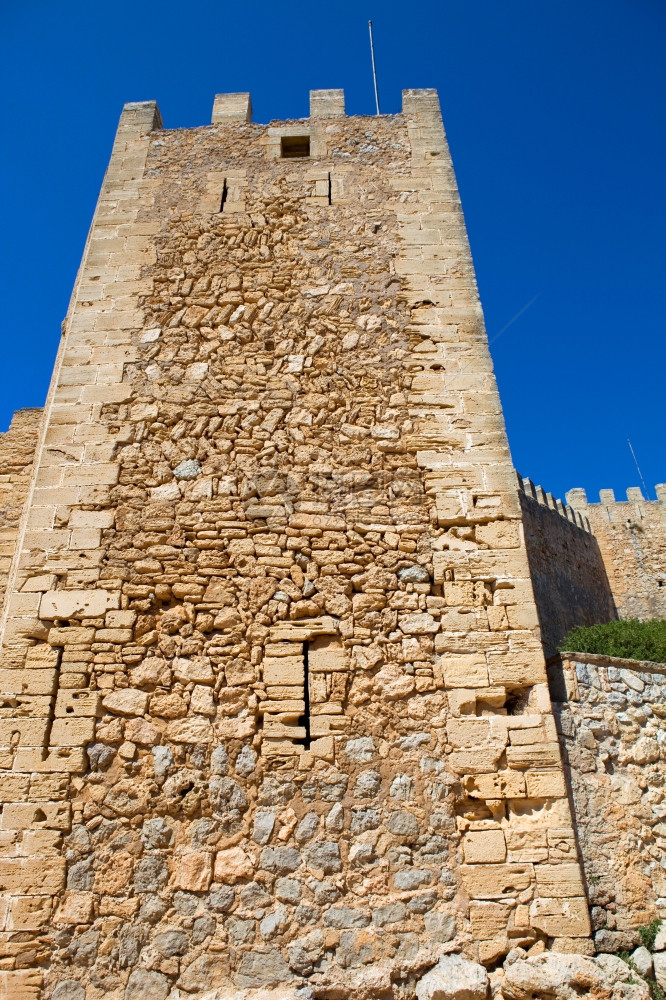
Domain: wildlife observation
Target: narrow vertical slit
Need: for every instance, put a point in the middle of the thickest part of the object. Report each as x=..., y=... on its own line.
x=305, y=718
x=330, y=200
x=225, y=192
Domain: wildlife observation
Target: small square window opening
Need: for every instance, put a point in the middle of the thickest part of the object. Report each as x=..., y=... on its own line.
x=295, y=147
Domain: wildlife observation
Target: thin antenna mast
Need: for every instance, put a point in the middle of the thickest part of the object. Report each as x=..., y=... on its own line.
x=374, y=68
x=638, y=469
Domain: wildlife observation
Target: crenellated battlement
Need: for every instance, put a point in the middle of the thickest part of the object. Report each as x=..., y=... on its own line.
x=548, y=500
x=577, y=497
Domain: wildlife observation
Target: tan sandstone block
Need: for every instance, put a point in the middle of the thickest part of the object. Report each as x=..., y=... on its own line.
x=43, y=815
x=28, y=913
x=232, y=866
x=559, y=880
x=192, y=871
x=72, y=732
x=284, y=670
x=491, y=881
x=533, y=755
x=75, y=908
x=489, y=920
x=78, y=704
x=31, y=681
x=545, y=784
x=32, y=875
x=77, y=603
x=501, y=785
x=527, y=845
x=561, y=917
x=23, y=732
x=22, y=984
x=484, y=847
x=465, y=670
x=74, y=761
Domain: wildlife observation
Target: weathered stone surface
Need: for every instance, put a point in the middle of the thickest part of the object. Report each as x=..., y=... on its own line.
x=454, y=978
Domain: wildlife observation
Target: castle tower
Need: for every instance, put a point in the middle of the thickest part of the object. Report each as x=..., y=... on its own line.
x=274, y=701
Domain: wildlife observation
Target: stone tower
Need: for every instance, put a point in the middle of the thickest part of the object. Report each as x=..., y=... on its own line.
x=274, y=704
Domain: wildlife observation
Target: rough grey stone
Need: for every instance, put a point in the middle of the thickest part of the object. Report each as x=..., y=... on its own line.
x=246, y=762
x=440, y=926
x=254, y=895
x=402, y=788
x=403, y=823
x=150, y=873
x=367, y=784
x=188, y=469
x=83, y=949
x=642, y=959
x=413, y=574
x=280, y=859
x=144, y=985
x=307, y=828
x=288, y=890
x=273, y=923
x=422, y=903
x=171, y=942
x=219, y=760
x=152, y=909
x=263, y=827
x=390, y=913
x=454, y=978
x=365, y=819
x=100, y=756
x=186, y=903
x=360, y=750
x=68, y=989
x=162, y=761
x=131, y=940
x=343, y=916
x=264, y=967
x=81, y=875
x=156, y=833
x=335, y=819
x=325, y=892
x=222, y=900
x=412, y=878
x=203, y=928
x=226, y=794
x=325, y=855
x=240, y=931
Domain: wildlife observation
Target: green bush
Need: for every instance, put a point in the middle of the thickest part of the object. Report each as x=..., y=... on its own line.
x=649, y=933
x=632, y=639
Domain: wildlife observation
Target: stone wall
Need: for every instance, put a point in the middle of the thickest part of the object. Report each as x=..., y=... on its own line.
x=279, y=709
x=17, y=452
x=632, y=540
x=612, y=723
x=567, y=569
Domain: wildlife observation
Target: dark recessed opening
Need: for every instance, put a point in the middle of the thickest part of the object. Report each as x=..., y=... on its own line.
x=295, y=146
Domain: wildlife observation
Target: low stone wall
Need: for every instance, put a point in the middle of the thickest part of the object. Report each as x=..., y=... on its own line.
x=611, y=718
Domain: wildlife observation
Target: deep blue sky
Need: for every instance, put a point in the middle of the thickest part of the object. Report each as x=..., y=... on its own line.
x=554, y=112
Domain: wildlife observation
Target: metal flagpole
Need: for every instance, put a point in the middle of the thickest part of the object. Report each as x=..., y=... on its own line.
x=374, y=68
x=638, y=469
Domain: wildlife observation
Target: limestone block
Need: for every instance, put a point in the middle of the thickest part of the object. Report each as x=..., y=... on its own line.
x=501, y=785
x=527, y=845
x=562, y=917
x=499, y=534
x=28, y=913
x=559, y=880
x=73, y=761
x=32, y=681
x=489, y=920
x=78, y=704
x=478, y=760
x=75, y=908
x=126, y=701
x=22, y=984
x=72, y=732
x=284, y=670
x=23, y=732
x=493, y=881
x=233, y=865
x=465, y=670
x=484, y=846
x=23, y=815
x=533, y=755
x=35, y=875
x=71, y=636
x=545, y=784
x=468, y=732
x=454, y=978
x=192, y=871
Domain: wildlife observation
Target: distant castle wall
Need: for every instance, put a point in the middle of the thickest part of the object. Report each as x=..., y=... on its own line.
x=612, y=729
x=17, y=451
x=631, y=535
x=570, y=583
